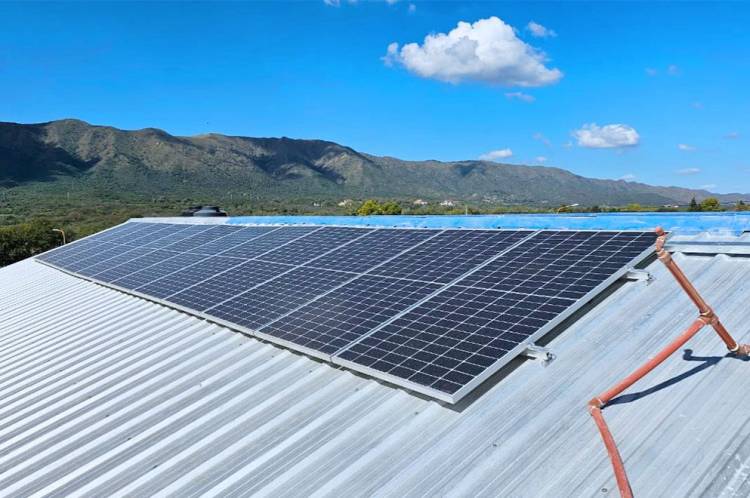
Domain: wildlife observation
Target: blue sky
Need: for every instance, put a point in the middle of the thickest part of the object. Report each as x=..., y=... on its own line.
x=608, y=90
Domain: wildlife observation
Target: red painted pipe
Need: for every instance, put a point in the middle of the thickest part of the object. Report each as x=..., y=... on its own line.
x=707, y=317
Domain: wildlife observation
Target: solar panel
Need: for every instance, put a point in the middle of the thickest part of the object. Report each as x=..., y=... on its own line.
x=452, y=338
x=232, y=282
x=188, y=276
x=156, y=271
x=119, y=257
x=265, y=303
x=450, y=254
x=268, y=242
x=436, y=311
x=196, y=240
x=232, y=240
x=373, y=249
x=449, y=343
x=345, y=314
x=134, y=265
x=314, y=244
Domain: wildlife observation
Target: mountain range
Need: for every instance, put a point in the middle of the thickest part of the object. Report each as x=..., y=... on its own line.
x=152, y=162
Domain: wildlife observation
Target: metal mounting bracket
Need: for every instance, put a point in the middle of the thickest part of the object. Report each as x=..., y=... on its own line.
x=539, y=353
x=634, y=274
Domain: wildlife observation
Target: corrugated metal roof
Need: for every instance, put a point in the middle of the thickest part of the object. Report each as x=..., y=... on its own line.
x=102, y=393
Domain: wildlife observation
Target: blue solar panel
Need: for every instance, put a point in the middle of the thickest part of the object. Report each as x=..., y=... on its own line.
x=268, y=242
x=133, y=266
x=188, y=276
x=156, y=271
x=227, y=242
x=267, y=302
x=373, y=249
x=228, y=284
x=345, y=314
x=437, y=311
x=313, y=245
x=450, y=254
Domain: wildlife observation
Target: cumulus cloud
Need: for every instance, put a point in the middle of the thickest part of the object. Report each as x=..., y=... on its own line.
x=686, y=147
x=412, y=8
x=539, y=31
x=540, y=159
x=708, y=186
x=495, y=155
x=628, y=177
x=732, y=135
x=673, y=70
x=525, y=97
x=487, y=51
x=606, y=137
x=688, y=171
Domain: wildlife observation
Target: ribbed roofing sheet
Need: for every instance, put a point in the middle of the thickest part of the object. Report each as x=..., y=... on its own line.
x=106, y=394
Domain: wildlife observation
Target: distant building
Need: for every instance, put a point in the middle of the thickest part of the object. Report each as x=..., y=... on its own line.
x=420, y=202
x=447, y=203
x=346, y=203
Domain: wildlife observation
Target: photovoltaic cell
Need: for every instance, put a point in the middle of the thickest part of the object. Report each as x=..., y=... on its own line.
x=561, y=264
x=225, y=285
x=228, y=242
x=313, y=245
x=267, y=242
x=436, y=311
x=134, y=265
x=119, y=258
x=271, y=300
x=191, y=275
x=195, y=240
x=345, y=314
x=371, y=250
x=455, y=336
x=450, y=254
x=178, y=233
x=161, y=269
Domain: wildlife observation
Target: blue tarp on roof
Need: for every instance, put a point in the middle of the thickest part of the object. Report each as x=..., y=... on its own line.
x=723, y=222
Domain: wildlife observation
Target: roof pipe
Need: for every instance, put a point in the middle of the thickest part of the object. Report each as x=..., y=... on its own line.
x=707, y=316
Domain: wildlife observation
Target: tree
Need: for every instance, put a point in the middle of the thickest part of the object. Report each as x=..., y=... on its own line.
x=22, y=241
x=633, y=207
x=710, y=204
x=371, y=207
x=694, y=206
x=741, y=206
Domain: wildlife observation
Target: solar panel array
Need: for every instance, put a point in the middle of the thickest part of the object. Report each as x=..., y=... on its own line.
x=436, y=311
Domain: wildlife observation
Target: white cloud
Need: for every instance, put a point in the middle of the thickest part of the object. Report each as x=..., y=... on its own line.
x=539, y=31
x=332, y=3
x=495, y=155
x=628, y=177
x=708, y=186
x=732, y=135
x=540, y=159
x=391, y=2
x=525, y=97
x=606, y=137
x=673, y=70
x=688, y=171
x=412, y=8
x=487, y=51
x=697, y=105
x=686, y=147
x=651, y=71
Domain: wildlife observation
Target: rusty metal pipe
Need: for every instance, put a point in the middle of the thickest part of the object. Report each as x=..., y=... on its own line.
x=707, y=317
x=623, y=484
x=644, y=369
